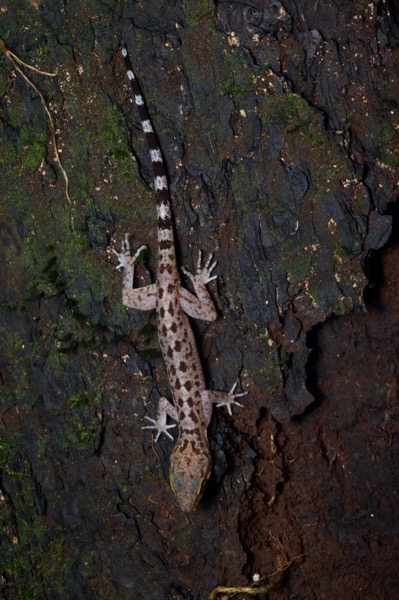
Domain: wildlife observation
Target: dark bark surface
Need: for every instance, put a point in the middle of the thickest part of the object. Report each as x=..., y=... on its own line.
x=279, y=124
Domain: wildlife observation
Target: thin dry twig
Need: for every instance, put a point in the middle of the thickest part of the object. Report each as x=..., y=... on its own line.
x=252, y=590
x=16, y=61
x=16, y=58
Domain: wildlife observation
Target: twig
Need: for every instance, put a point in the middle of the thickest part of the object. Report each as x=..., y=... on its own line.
x=16, y=61
x=16, y=58
x=252, y=590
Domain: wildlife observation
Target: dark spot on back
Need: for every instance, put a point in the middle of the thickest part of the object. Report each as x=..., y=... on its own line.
x=188, y=385
x=162, y=195
x=160, y=293
x=177, y=346
x=173, y=327
x=151, y=139
x=157, y=166
x=162, y=312
x=193, y=446
x=165, y=223
x=193, y=417
x=165, y=244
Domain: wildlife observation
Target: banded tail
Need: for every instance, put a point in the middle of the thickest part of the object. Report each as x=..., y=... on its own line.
x=164, y=212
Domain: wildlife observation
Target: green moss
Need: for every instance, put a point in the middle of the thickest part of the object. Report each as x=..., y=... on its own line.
x=8, y=155
x=4, y=82
x=8, y=448
x=268, y=375
x=58, y=364
x=31, y=143
x=49, y=282
x=65, y=268
x=33, y=559
x=236, y=81
x=198, y=11
x=387, y=133
x=17, y=350
x=111, y=133
x=388, y=146
x=84, y=419
x=31, y=554
x=295, y=263
x=291, y=111
x=33, y=155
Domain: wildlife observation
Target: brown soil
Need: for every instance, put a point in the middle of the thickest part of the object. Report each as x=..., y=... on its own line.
x=334, y=470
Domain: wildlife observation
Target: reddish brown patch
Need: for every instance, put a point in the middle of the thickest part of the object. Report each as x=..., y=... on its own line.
x=173, y=327
x=177, y=346
x=188, y=385
x=183, y=366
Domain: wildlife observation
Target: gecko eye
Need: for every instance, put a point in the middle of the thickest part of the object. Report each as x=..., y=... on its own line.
x=188, y=491
x=175, y=483
x=196, y=486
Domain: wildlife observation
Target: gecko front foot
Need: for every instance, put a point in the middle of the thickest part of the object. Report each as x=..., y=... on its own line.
x=230, y=398
x=203, y=274
x=124, y=257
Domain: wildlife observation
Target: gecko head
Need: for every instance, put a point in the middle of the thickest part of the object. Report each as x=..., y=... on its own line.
x=190, y=467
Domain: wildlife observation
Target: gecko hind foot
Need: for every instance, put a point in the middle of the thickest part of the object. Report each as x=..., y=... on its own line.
x=160, y=427
x=230, y=399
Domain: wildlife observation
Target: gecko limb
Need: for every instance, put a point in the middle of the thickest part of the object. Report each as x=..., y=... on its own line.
x=227, y=399
x=142, y=298
x=200, y=306
x=165, y=409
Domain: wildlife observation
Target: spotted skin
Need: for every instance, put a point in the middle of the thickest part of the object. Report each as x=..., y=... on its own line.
x=190, y=461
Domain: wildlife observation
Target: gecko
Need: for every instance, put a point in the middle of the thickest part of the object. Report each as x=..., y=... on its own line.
x=190, y=459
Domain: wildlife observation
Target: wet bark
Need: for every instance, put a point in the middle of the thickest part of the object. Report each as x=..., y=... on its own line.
x=279, y=125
